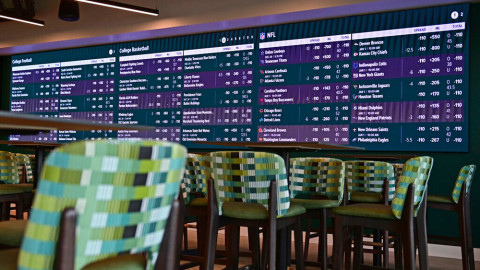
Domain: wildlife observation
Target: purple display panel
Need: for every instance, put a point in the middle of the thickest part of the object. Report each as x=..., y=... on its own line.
x=281, y=55
x=321, y=52
x=433, y=111
x=40, y=137
x=160, y=134
x=234, y=78
x=151, y=66
x=433, y=65
x=337, y=134
x=315, y=52
x=217, y=116
x=414, y=66
x=98, y=117
x=36, y=75
x=166, y=65
x=409, y=112
x=40, y=105
x=377, y=69
x=134, y=68
x=325, y=93
x=199, y=80
x=23, y=76
x=159, y=100
x=274, y=95
x=304, y=94
x=91, y=87
x=218, y=79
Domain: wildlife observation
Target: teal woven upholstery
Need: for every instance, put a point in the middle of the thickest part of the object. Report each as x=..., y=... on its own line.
x=317, y=176
x=369, y=176
x=194, y=179
x=417, y=171
x=122, y=192
x=23, y=161
x=8, y=168
x=245, y=177
x=398, y=168
x=464, y=176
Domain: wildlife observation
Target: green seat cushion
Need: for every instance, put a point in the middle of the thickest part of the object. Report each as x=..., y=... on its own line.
x=9, y=258
x=199, y=202
x=440, y=199
x=121, y=262
x=315, y=204
x=12, y=232
x=370, y=210
x=366, y=197
x=256, y=211
x=10, y=189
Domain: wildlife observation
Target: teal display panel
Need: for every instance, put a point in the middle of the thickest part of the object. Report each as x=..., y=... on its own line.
x=394, y=81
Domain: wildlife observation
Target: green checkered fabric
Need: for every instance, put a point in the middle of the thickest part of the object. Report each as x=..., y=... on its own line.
x=122, y=192
x=23, y=161
x=194, y=179
x=317, y=176
x=465, y=175
x=398, y=168
x=368, y=176
x=8, y=168
x=417, y=171
x=245, y=177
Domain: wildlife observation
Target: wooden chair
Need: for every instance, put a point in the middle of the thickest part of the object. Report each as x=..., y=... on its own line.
x=101, y=205
x=398, y=218
x=458, y=202
x=317, y=184
x=251, y=189
x=371, y=182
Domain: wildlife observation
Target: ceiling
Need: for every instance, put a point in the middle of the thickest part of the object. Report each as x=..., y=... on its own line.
x=96, y=21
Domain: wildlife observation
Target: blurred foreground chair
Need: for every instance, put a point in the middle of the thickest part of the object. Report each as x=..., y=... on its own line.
x=251, y=189
x=458, y=202
x=101, y=204
x=317, y=184
x=405, y=216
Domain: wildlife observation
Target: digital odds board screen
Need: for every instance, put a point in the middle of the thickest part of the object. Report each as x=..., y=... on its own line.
x=395, y=81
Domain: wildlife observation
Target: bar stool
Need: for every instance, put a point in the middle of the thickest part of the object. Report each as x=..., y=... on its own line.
x=399, y=217
x=317, y=184
x=458, y=202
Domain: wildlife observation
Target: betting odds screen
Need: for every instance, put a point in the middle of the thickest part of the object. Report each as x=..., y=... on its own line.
x=395, y=81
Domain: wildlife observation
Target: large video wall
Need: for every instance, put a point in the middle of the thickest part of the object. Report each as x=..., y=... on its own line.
x=393, y=81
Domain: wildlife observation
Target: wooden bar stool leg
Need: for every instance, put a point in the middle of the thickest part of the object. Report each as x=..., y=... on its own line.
x=254, y=245
x=338, y=243
x=409, y=246
x=385, y=250
x=307, y=238
x=422, y=243
x=398, y=252
x=19, y=206
x=298, y=245
x=357, y=246
x=463, y=238
x=232, y=247
x=322, y=240
x=468, y=232
x=377, y=258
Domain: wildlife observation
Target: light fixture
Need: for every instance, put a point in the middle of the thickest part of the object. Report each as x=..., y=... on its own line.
x=29, y=21
x=122, y=6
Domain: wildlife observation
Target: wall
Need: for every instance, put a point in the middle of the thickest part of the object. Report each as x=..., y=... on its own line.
x=446, y=165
